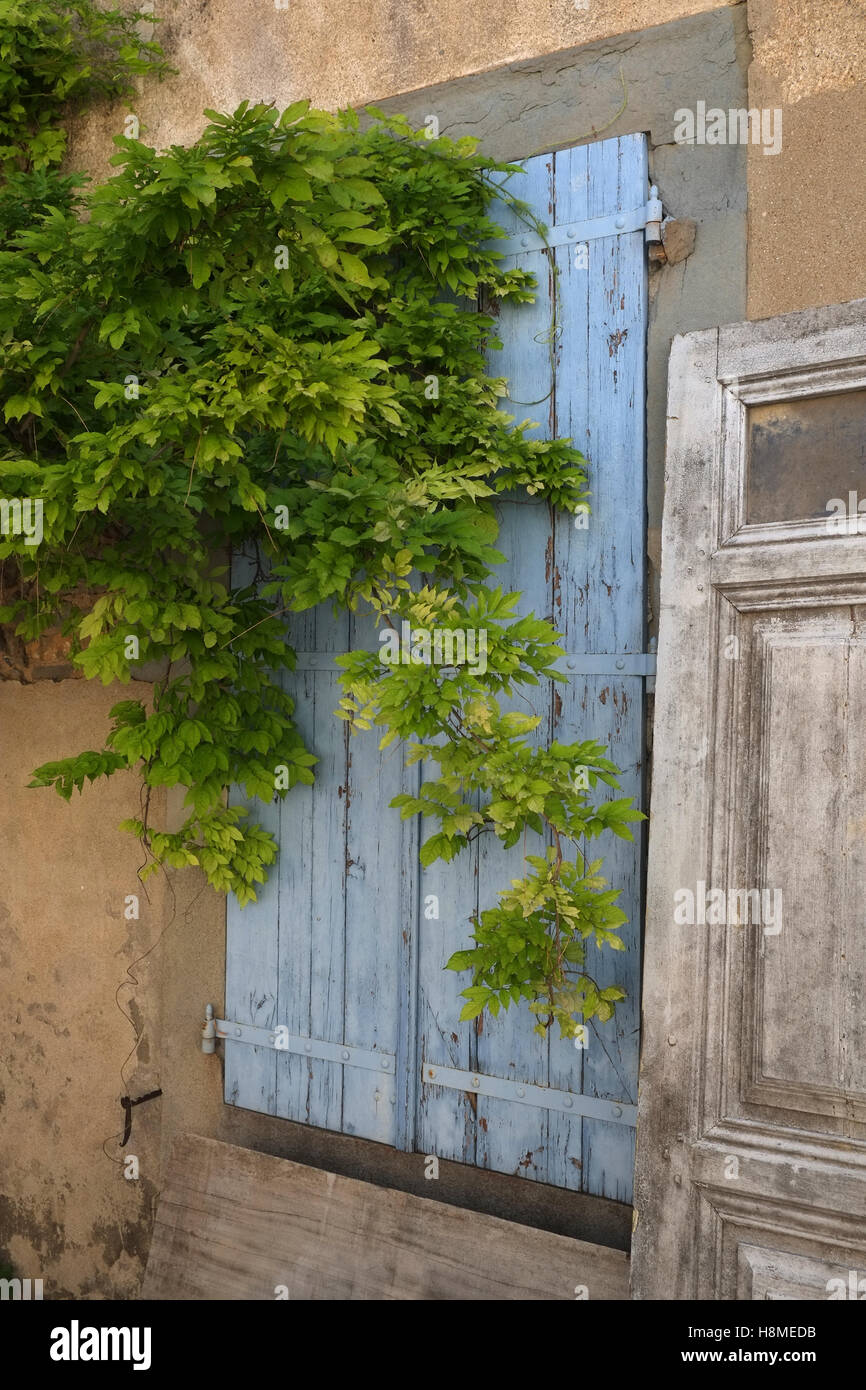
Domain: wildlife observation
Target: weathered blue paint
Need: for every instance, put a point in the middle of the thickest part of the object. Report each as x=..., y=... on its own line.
x=340, y=946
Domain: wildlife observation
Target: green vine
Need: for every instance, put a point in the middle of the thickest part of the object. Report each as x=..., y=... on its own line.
x=248, y=342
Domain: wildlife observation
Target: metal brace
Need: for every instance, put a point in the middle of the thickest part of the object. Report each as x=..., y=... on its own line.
x=612, y=664
x=543, y=1097
x=279, y=1039
x=647, y=218
x=590, y=664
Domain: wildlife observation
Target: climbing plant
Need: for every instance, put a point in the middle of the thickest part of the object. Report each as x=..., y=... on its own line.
x=268, y=341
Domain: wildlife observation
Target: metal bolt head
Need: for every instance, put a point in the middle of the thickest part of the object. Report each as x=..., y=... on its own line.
x=570, y=232
x=568, y=1102
x=237, y=1032
x=308, y=1047
x=520, y=1091
x=476, y=1081
x=345, y=1054
x=620, y=222
x=524, y=241
x=620, y=665
x=617, y=1111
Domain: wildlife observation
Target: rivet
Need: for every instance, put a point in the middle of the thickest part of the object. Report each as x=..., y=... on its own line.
x=476, y=1081
x=237, y=1032
x=617, y=1110
x=568, y=1102
x=571, y=663
x=672, y=1040
x=520, y=1091
x=524, y=241
x=570, y=232
x=272, y=1037
x=308, y=1047
x=345, y=1054
x=700, y=588
x=620, y=222
x=393, y=1100
x=620, y=665
x=385, y=1064
x=430, y=1072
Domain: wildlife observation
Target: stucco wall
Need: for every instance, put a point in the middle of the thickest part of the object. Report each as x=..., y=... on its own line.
x=66, y=1213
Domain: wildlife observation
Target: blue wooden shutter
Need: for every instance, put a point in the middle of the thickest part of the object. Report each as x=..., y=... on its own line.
x=338, y=948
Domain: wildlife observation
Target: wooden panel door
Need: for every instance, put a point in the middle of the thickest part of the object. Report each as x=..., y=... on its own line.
x=751, y=1178
x=345, y=947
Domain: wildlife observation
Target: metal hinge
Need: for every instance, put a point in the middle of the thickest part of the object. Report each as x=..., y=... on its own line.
x=612, y=664
x=522, y=1093
x=647, y=218
x=281, y=1040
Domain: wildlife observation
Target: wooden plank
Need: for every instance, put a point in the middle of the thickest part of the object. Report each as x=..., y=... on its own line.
x=570, y=562
x=293, y=869
x=312, y=917
x=446, y=1119
x=236, y=1225
x=599, y=588
x=373, y=920
x=453, y=1124
x=514, y=1138
x=252, y=959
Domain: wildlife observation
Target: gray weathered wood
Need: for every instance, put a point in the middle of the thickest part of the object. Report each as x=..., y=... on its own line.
x=751, y=1167
x=234, y=1224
